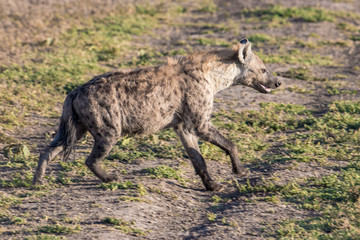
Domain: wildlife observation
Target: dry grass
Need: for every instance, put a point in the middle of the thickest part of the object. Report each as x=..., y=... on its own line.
x=25, y=25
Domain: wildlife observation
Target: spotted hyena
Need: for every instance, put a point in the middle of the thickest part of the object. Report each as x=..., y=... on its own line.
x=178, y=95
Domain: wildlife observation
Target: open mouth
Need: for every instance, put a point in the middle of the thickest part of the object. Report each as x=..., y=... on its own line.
x=265, y=89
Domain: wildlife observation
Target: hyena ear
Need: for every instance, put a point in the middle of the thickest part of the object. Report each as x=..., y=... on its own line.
x=244, y=50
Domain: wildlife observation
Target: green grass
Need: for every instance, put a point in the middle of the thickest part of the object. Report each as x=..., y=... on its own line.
x=347, y=27
x=115, y=185
x=206, y=27
x=216, y=199
x=295, y=56
x=271, y=118
x=335, y=91
x=208, y=6
x=19, y=157
x=301, y=90
x=163, y=171
x=335, y=43
x=124, y=226
x=7, y=139
x=45, y=237
x=58, y=229
x=355, y=38
x=265, y=187
x=259, y=39
x=302, y=73
x=323, y=43
x=19, y=179
x=345, y=107
x=213, y=42
x=211, y=217
x=17, y=152
x=76, y=166
x=132, y=199
x=334, y=135
x=112, y=186
x=160, y=145
x=277, y=15
x=335, y=197
x=7, y=200
x=13, y=220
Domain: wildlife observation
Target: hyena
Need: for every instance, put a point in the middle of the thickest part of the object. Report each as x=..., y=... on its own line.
x=178, y=95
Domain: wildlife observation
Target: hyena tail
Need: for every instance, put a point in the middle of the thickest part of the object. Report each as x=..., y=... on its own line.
x=68, y=132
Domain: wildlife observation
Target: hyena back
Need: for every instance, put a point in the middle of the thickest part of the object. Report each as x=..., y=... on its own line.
x=176, y=95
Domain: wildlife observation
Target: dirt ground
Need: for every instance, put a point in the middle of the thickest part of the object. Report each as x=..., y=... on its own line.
x=183, y=211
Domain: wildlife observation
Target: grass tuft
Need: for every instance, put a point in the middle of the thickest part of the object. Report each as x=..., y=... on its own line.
x=45, y=237
x=114, y=185
x=302, y=73
x=124, y=226
x=346, y=107
x=298, y=57
x=259, y=38
x=208, y=6
x=306, y=14
x=59, y=229
x=163, y=171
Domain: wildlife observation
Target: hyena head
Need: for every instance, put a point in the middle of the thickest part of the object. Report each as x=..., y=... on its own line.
x=254, y=73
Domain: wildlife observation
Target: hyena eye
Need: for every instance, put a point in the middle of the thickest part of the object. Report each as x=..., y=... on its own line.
x=263, y=70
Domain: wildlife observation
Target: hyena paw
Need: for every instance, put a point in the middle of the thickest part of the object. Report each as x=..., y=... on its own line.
x=242, y=172
x=110, y=178
x=38, y=181
x=214, y=186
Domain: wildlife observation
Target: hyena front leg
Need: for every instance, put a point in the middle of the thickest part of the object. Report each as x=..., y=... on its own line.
x=210, y=134
x=190, y=143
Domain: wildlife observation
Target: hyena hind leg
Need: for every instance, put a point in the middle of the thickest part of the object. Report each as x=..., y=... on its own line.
x=47, y=155
x=51, y=152
x=100, y=150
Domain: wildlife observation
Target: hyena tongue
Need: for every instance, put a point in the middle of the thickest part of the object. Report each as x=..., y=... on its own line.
x=266, y=89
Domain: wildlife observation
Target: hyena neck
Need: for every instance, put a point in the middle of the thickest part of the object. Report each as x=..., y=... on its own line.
x=222, y=75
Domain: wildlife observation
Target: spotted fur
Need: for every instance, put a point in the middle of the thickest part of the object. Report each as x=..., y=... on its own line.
x=178, y=94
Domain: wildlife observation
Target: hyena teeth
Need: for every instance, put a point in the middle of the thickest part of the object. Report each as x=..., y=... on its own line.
x=266, y=89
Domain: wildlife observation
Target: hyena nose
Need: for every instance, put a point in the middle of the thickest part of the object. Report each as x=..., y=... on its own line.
x=277, y=84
